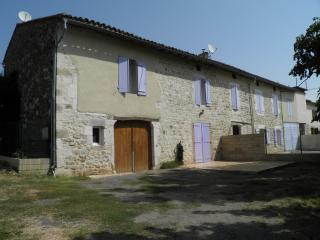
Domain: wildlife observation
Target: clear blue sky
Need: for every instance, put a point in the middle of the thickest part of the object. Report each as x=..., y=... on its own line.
x=256, y=36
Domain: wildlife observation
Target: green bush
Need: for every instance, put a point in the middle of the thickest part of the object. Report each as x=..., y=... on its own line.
x=170, y=164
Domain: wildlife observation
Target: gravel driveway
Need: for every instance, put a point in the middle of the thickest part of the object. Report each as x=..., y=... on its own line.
x=282, y=203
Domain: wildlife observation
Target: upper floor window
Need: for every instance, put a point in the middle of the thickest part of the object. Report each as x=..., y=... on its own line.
x=202, y=92
x=275, y=104
x=132, y=76
x=259, y=102
x=235, y=100
x=289, y=108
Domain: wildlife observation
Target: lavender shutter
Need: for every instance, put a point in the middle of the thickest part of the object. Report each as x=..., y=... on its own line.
x=142, y=80
x=197, y=87
x=208, y=93
x=275, y=104
x=198, y=142
x=257, y=103
x=206, y=143
x=238, y=98
x=261, y=102
x=289, y=109
x=123, y=78
x=234, y=97
x=272, y=104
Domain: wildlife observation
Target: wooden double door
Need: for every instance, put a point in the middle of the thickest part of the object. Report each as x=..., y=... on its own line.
x=132, y=146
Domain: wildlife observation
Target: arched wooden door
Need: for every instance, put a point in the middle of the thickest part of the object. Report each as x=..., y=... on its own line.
x=132, y=146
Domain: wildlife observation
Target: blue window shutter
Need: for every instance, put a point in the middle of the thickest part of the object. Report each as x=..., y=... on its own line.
x=234, y=97
x=123, y=78
x=238, y=97
x=208, y=93
x=198, y=142
x=142, y=79
x=272, y=104
x=197, y=87
x=257, y=105
x=289, y=109
x=206, y=142
x=275, y=104
x=261, y=102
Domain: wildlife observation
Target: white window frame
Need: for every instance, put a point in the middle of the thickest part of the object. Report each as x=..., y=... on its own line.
x=101, y=136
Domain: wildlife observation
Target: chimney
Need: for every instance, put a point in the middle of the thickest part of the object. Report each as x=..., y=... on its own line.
x=204, y=54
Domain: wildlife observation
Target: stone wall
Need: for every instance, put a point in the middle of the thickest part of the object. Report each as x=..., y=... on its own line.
x=30, y=59
x=310, y=142
x=250, y=147
x=178, y=111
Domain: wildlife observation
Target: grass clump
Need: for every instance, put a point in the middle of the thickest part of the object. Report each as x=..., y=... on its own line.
x=170, y=164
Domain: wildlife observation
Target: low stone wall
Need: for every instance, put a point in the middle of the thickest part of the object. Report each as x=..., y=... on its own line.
x=293, y=157
x=248, y=147
x=310, y=142
x=28, y=165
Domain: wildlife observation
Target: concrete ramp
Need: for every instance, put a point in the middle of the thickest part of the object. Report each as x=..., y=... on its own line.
x=254, y=167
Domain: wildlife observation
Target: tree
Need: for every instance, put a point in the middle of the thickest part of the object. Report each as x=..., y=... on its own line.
x=307, y=57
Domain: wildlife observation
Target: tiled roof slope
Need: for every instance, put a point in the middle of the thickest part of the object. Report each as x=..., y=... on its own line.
x=88, y=23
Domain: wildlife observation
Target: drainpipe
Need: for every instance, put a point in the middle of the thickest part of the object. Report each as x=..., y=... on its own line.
x=251, y=109
x=53, y=162
x=282, y=122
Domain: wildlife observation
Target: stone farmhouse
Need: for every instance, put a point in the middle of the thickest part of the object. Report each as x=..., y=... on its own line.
x=96, y=99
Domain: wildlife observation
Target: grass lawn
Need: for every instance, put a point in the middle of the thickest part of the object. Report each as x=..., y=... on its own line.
x=282, y=203
x=40, y=207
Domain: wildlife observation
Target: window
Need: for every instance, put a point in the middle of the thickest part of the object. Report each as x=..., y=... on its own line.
x=132, y=76
x=236, y=130
x=235, y=100
x=302, y=128
x=267, y=136
x=277, y=136
x=275, y=104
x=97, y=136
x=289, y=108
x=259, y=102
x=314, y=131
x=202, y=92
x=314, y=114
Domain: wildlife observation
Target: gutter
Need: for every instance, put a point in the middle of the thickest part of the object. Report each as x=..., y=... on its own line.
x=53, y=159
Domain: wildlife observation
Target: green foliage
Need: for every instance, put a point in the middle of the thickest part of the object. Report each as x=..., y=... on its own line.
x=170, y=164
x=307, y=57
x=307, y=52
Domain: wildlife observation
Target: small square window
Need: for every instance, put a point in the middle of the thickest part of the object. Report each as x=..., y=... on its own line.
x=97, y=136
x=236, y=130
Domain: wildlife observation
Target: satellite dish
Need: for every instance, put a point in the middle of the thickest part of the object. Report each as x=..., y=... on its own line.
x=211, y=48
x=24, y=16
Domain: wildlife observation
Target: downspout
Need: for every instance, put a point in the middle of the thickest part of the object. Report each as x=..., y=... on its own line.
x=251, y=109
x=53, y=162
x=282, y=122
